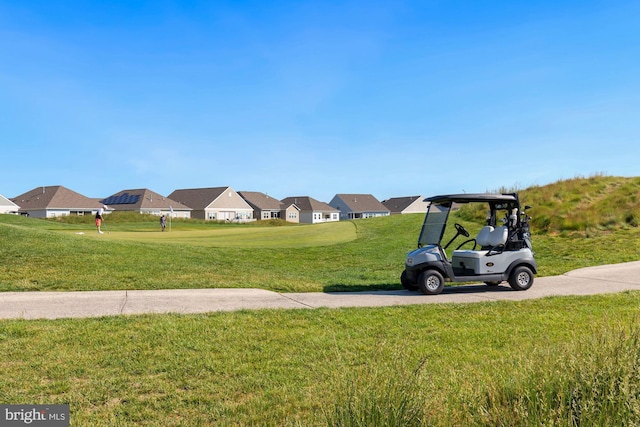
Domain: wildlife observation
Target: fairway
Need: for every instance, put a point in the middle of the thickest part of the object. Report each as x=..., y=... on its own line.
x=242, y=237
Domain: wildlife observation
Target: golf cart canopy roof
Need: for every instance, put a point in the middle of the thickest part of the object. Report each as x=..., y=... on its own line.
x=471, y=198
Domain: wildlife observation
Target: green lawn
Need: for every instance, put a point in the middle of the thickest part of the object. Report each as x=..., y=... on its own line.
x=266, y=237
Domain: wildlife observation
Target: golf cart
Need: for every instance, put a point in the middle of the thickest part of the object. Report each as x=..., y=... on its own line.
x=499, y=253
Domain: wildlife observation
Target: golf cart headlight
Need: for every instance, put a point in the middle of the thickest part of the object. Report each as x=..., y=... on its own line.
x=409, y=261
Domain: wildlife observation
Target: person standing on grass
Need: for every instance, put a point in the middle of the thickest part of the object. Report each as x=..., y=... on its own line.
x=99, y=219
x=163, y=222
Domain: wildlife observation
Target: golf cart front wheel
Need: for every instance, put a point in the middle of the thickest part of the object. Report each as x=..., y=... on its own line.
x=406, y=283
x=521, y=278
x=430, y=282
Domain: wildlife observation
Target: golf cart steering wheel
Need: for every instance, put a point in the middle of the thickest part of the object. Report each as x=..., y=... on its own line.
x=461, y=230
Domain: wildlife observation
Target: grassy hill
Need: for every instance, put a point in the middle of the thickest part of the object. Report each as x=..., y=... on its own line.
x=585, y=205
x=579, y=206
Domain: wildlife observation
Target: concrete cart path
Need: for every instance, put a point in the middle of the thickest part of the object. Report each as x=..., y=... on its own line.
x=54, y=305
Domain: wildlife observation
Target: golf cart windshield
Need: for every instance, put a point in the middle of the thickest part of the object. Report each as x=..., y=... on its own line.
x=434, y=224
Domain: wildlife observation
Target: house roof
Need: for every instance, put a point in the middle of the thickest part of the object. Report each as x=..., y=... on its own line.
x=197, y=198
x=54, y=197
x=141, y=198
x=202, y=198
x=399, y=204
x=306, y=203
x=362, y=203
x=261, y=201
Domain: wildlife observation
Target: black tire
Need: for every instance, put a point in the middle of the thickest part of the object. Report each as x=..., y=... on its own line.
x=430, y=282
x=406, y=283
x=521, y=278
x=492, y=283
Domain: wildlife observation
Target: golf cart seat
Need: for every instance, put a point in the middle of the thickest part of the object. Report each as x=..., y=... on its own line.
x=482, y=239
x=490, y=237
x=498, y=237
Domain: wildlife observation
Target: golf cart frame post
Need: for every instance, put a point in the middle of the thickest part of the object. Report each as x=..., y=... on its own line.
x=500, y=253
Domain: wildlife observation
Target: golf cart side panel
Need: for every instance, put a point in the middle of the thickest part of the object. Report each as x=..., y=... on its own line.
x=469, y=262
x=497, y=277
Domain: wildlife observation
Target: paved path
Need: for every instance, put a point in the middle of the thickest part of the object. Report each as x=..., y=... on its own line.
x=54, y=305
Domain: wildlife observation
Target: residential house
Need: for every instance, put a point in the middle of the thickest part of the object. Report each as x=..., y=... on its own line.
x=291, y=212
x=356, y=206
x=216, y=204
x=264, y=206
x=406, y=205
x=312, y=211
x=7, y=206
x=146, y=201
x=54, y=201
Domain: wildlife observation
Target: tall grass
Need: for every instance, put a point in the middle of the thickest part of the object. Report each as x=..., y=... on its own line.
x=593, y=381
x=585, y=205
x=590, y=381
x=379, y=394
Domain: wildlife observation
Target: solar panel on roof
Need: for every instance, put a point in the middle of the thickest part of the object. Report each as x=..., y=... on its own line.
x=123, y=199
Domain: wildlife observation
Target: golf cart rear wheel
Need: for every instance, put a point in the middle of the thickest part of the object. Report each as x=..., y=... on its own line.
x=521, y=278
x=430, y=282
x=408, y=285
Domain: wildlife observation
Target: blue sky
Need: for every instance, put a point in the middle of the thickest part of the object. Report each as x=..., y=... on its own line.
x=290, y=98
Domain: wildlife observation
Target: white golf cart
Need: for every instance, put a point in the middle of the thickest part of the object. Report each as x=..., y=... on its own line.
x=499, y=253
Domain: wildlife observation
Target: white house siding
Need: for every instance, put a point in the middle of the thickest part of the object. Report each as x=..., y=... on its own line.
x=7, y=206
x=419, y=206
x=318, y=217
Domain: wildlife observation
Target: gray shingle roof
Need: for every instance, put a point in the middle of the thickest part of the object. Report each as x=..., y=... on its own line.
x=398, y=204
x=197, y=198
x=306, y=203
x=261, y=201
x=362, y=203
x=54, y=197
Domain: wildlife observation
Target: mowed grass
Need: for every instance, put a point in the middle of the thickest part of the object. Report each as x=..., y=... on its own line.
x=302, y=236
x=49, y=255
